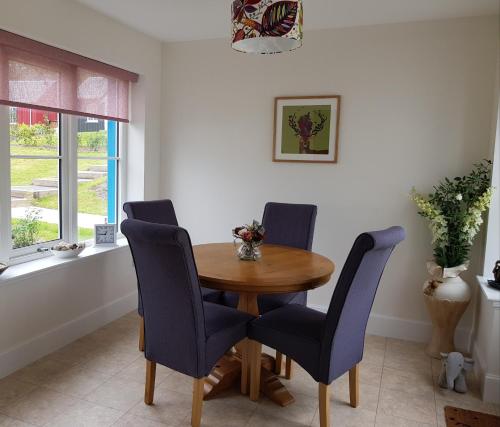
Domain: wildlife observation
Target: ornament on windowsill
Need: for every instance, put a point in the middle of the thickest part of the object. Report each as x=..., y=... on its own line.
x=496, y=274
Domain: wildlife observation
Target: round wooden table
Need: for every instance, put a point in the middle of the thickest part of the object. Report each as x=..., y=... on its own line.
x=281, y=269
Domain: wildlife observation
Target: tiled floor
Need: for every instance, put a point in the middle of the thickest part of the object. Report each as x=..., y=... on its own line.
x=99, y=381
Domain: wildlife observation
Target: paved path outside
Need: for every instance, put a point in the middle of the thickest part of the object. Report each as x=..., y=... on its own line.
x=52, y=216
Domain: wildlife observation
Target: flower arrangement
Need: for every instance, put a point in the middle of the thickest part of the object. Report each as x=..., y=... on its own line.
x=454, y=211
x=252, y=236
x=253, y=233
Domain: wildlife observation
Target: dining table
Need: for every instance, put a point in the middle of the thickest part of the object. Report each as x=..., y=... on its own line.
x=279, y=270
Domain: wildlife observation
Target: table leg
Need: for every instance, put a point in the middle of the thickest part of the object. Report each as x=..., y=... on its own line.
x=229, y=368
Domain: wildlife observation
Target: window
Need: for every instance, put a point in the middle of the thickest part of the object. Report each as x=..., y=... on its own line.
x=61, y=175
x=35, y=169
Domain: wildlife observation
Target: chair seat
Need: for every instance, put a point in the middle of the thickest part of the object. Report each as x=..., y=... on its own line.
x=293, y=330
x=267, y=302
x=224, y=326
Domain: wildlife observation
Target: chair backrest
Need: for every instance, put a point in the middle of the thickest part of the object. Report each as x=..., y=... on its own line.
x=168, y=284
x=352, y=300
x=157, y=211
x=289, y=224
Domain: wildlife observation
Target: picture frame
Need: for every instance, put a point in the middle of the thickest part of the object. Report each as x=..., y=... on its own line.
x=104, y=234
x=306, y=129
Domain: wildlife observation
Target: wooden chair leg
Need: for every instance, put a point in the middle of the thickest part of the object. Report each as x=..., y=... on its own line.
x=354, y=386
x=245, y=350
x=150, y=382
x=255, y=367
x=288, y=368
x=141, y=334
x=279, y=362
x=324, y=405
x=198, y=392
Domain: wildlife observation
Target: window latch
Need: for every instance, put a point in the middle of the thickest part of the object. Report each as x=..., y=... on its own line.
x=42, y=249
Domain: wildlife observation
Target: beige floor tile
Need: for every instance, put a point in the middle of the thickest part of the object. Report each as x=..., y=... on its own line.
x=130, y=420
x=11, y=422
x=177, y=382
x=74, y=353
x=345, y=416
x=117, y=394
x=266, y=420
x=136, y=372
x=390, y=421
x=368, y=395
x=420, y=408
x=229, y=409
x=415, y=362
x=11, y=390
x=77, y=381
x=41, y=371
x=109, y=361
x=375, y=341
x=170, y=407
x=368, y=374
x=40, y=406
x=301, y=411
x=408, y=381
x=302, y=383
x=374, y=356
x=85, y=414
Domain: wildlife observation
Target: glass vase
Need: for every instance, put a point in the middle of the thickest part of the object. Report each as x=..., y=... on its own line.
x=249, y=251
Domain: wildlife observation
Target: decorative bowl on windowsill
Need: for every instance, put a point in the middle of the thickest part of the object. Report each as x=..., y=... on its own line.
x=67, y=250
x=3, y=267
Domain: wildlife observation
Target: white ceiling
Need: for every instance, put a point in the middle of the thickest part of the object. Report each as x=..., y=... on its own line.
x=174, y=20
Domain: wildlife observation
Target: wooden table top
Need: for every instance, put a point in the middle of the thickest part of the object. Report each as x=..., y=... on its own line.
x=281, y=269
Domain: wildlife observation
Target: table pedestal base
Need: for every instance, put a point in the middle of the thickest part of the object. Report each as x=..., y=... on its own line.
x=227, y=372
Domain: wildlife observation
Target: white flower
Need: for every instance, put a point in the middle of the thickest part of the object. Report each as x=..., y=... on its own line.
x=242, y=232
x=458, y=196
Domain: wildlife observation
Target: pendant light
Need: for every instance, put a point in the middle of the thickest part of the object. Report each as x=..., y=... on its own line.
x=267, y=26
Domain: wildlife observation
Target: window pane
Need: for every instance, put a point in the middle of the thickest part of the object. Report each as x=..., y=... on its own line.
x=97, y=179
x=96, y=137
x=33, y=132
x=96, y=197
x=34, y=201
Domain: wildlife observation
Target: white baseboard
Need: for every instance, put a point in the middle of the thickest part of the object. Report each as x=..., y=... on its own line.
x=489, y=383
x=405, y=329
x=28, y=351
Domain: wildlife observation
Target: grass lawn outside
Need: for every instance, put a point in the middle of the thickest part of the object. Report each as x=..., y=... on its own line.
x=49, y=232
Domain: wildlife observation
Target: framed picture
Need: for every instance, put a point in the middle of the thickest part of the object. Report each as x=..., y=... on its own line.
x=306, y=129
x=104, y=234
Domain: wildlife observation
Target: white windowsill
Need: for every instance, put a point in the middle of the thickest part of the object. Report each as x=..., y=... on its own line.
x=491, y=294
x=31, y=268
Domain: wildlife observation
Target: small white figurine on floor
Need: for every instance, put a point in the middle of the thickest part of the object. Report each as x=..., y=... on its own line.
x=455, y=367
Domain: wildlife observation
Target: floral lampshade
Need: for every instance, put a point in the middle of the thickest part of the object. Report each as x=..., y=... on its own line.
x=267, y=26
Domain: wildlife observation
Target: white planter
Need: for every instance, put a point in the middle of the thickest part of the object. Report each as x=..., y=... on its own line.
x=446, y=296
x=447, y=283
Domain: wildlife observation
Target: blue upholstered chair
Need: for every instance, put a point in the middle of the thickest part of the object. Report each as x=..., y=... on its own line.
x=159, y=212
x=328, y=345
x=286, y=224
x=182, y=331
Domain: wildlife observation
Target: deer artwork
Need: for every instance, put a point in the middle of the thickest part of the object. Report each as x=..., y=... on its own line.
x=305, y=128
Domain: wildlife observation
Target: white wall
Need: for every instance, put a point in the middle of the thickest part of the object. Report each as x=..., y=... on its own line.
x=416, y=106
x=45, y=311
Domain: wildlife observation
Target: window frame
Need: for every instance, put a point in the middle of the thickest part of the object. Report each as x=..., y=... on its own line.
x=68, y=186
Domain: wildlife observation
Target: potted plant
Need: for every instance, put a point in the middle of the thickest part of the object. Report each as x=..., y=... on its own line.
x=454, y=211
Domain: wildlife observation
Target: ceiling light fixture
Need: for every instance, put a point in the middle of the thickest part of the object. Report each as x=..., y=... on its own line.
x=267, y=26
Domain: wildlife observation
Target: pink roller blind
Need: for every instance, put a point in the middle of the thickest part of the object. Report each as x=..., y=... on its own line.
x=36, y=75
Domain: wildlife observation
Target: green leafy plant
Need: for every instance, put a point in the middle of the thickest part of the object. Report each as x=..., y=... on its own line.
x=37, y=135
x=25, y=231
x=93, y=141
x=455, y=210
